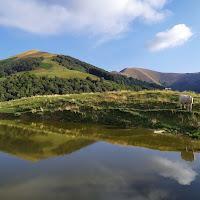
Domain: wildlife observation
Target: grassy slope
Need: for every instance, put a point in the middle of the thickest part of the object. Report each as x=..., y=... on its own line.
x=141, y=74
x=49, y=67
x=33, y=53
x=60, y=71
x=152, y=76
x=151, y=109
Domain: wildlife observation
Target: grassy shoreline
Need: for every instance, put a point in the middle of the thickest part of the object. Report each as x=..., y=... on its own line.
x=144, y=109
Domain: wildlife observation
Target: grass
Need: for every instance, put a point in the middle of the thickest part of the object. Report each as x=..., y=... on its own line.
x=45, y=65
x=149, y=109
x=8, y=60
x=51, y=69
x=152, y=76
x=34, y=53
x=48, y=67
x=62, y=72
x=2, y=79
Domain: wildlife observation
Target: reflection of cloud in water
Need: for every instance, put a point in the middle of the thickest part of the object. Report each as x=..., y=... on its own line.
x=103, y=186
x=178, y=171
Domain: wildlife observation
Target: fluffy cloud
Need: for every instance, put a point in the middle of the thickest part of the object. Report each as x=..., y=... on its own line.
x=175, y=170
x=176, y=36
x=97, y=17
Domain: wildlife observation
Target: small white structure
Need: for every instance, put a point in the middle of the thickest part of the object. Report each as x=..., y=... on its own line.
x=186, y=101
x=159, y=131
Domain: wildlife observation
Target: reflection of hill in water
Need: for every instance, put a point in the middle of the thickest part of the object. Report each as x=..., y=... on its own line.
x=33, y=146
x=34, y=141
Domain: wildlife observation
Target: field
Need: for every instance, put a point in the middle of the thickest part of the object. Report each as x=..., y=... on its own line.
x=149, y=109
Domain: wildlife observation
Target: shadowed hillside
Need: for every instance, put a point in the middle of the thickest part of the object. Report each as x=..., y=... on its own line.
x=176, y=81
x=190, y=81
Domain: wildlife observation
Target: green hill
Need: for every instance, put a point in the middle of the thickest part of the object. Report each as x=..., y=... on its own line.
x=41, y=73
x=32, y=63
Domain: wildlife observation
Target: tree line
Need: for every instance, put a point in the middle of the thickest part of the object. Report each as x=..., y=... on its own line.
x=12, y=66
x=27, y=85
x=75, y=64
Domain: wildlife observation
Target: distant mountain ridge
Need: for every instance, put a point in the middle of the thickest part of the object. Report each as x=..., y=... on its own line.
x=176, y=81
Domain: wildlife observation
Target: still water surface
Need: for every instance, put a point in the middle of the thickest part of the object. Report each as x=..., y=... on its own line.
x=77, y=161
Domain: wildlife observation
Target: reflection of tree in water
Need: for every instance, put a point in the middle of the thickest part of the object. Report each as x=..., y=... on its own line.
x=33, y=145
x=188, y=155
x=39, y=140
x=14, y=140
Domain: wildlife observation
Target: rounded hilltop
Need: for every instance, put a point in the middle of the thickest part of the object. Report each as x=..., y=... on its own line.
x=33, y=53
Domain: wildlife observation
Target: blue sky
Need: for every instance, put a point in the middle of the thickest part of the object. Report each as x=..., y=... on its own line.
x=162, y=35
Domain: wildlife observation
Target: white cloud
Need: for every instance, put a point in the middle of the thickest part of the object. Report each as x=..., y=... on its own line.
x=176, y=36
x=175, y=170
x=107, y=18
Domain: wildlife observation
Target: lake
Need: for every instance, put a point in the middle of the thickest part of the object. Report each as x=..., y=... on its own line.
x=55, y=160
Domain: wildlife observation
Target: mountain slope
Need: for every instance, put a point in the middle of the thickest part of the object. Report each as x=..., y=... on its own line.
x=190, y=81
x=58, y=74
x=55, y=65
x=46, y=67
x=33, y=53
x=176, y=81
x=152, y=76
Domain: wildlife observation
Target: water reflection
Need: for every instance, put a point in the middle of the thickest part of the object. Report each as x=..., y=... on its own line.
x=97, y=162
x=63, y=190
x=178, y=171
x=34, y=141
x=33, y=145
